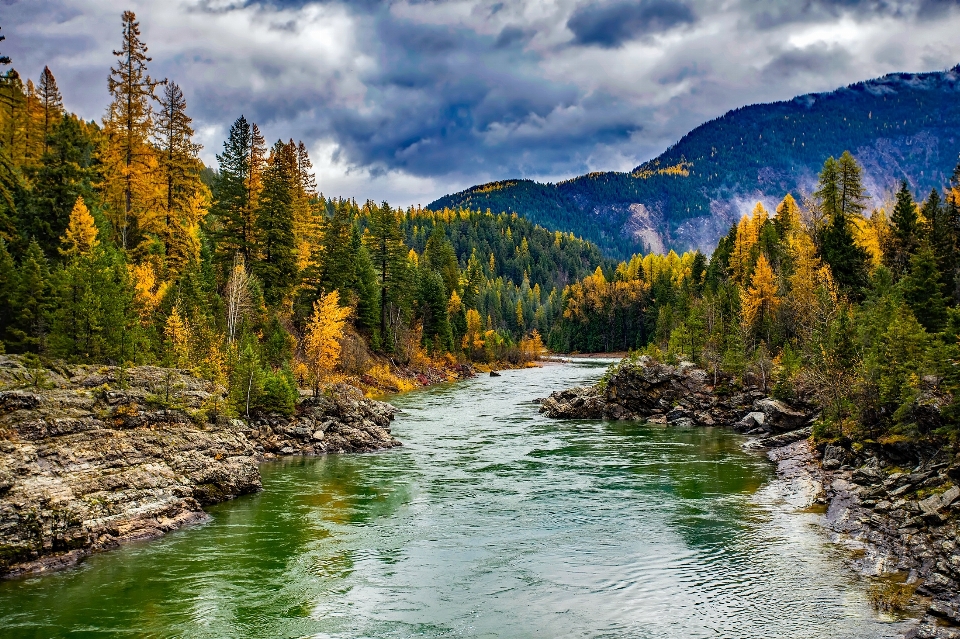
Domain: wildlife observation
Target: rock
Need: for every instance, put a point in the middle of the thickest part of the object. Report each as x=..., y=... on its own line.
x=882, y=506
x=494, y=374
x=575, y=403
x=783, y=439
x=949, y=496
x=84, y=468
x=831, y=464
x=930, y=505
x=779, y=417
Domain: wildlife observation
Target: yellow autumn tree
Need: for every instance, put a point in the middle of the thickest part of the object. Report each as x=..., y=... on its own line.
x=760, y=299
x=748, y=233
x=455, y=304
x=473, y=338
x=177, y=332
x=130, y=166
x=322, y=340
x=148, y=289
x=813, y=293
x=531, y=348
x=81, y=234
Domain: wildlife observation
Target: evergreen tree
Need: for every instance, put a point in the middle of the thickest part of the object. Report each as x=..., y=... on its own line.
x=922, y=289
x=433, y=310
x=384, y=241
x=9, y=285
x=128, y=157
x=231, y=206
x=65, y=171
x=905, y=232
x=180, y=174
x=31, y=315
x=440, y=256
x=277, y=268
x=52, y=103
x=942, y=224
x=364, y=285
x=841, y=197
x=339, y=257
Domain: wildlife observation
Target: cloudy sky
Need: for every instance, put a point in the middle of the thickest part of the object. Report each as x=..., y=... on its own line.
x=408, y=100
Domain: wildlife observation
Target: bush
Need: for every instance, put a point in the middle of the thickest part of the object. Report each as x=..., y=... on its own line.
x=279, y=393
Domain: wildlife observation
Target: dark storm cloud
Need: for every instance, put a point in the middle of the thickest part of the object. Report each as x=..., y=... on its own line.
x=430, y=96
x=439, y=111
x=610, y=24
x=775, y=13
x=817, y=59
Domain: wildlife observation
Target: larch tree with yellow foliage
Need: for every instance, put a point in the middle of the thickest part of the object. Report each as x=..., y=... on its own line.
x=80, y=237
x=129, y=160
x=322, y=340
x=760, y=299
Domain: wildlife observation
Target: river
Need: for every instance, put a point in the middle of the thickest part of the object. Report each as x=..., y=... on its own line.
x=491, y=521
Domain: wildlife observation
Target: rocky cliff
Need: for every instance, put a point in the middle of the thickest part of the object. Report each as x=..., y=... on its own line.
x=93, y=456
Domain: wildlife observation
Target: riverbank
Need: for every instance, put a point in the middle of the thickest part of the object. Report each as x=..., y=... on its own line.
x=898, y=513
x=95, y=456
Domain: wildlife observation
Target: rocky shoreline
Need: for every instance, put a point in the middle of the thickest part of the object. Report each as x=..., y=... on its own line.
x=94, y=456
x=897, y=509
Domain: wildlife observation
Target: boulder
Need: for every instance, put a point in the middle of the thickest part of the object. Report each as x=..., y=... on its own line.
x=779, y=417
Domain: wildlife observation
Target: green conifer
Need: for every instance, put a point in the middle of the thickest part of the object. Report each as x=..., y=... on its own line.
x=922, y=289
x=277, y=268
x=905, y=232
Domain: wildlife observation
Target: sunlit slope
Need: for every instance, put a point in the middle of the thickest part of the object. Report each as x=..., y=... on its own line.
x=898, y=126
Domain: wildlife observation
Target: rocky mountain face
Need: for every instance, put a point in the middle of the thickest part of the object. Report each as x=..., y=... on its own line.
x=94, y=456
x=900, y=126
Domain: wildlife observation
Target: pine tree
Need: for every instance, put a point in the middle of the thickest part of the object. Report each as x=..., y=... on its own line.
x=440, y=256
x=339, y=257
x=129, y=159
x=274, y=225
x=231, y=205
x=841, y=197
x=433, y=310
x=65, y=171
x=9, y=285
x=31, y=317
x=384, y=241
x=52, y=103
x=942, y=231
x=905, y=232
x=81, y=234
x=922, y=289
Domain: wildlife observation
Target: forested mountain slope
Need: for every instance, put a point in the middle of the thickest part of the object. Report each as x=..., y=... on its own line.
x=900, y=126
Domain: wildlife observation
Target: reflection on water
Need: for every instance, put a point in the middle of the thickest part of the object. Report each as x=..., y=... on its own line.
x=490, y=522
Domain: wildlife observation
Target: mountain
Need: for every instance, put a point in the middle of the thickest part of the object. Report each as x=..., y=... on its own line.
x=901, y=125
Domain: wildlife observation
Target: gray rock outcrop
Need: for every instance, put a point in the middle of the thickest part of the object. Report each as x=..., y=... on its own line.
x=94, y=456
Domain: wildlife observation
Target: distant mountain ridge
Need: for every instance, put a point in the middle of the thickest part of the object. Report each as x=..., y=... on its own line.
x=902, y=125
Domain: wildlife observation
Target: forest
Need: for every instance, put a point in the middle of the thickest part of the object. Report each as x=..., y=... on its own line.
x=117, y=245
x=822, y=302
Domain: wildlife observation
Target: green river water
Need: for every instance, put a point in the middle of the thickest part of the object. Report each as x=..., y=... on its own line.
x=491, y=521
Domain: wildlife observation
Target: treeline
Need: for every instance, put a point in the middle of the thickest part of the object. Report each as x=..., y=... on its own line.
x=819, y=303
x=117, y=245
